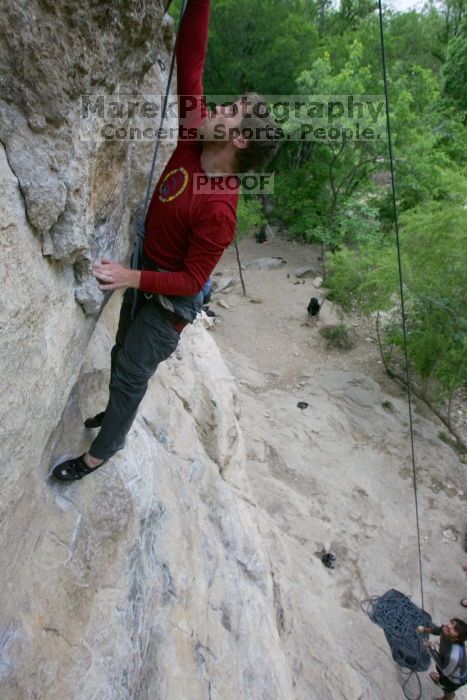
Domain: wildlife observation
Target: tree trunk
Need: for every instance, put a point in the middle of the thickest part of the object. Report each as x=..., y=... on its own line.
x=398, y=378
x=240, y=268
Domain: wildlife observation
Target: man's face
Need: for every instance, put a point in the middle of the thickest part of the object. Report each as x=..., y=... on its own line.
x=222, y=121
x=450, y=630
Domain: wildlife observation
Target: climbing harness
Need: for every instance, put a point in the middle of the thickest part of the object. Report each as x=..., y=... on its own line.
x=139, y=229
x=394, y=612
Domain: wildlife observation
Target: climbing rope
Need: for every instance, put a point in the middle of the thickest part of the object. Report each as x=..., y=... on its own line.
x=396, y=614
x=164, y=108
x=140, y=232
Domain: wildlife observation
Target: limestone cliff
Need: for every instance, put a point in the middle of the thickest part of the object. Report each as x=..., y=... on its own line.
x=150, y=579
x=64, y=201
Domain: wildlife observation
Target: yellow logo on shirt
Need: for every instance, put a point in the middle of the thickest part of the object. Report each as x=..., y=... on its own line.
x=173, y=184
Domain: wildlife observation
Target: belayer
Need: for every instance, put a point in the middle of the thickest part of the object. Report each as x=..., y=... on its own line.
x=450, y=660
x=186, y=233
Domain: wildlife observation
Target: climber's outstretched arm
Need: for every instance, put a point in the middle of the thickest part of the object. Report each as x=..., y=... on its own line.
x=191, y=57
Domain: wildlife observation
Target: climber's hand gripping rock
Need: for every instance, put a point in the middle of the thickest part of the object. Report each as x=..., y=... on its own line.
x=112, y=275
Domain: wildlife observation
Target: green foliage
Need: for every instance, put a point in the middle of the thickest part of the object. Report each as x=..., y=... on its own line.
x=433, y=243
x=313, y=187
x=455, y=69
x=367, y=276
x=412, y=38
x=253, y=45
x=338, y=336
x=415, y=117
x=301, y=200
x=448, y=440
x=250, y=216
x=356, y=223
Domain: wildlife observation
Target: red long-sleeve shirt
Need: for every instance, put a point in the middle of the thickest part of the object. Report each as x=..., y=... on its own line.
x=187, y=232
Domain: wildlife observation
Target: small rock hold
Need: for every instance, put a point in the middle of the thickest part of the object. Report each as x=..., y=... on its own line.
x=37, y=123
x=450, y=535
x=317, y=282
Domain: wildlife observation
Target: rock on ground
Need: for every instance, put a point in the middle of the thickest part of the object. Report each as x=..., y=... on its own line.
x=305, y=271
x=265, y=264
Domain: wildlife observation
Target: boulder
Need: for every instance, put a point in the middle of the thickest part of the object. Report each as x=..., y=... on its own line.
x=305, y=271
x=265, y=264
x=223, y=284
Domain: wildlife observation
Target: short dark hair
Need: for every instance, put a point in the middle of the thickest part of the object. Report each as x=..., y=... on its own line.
x=260, y=129
x=461, y=628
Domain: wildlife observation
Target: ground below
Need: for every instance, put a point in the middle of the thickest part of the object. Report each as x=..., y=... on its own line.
x=336, y=475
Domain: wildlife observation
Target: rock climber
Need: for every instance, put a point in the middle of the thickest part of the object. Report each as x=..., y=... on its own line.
x=187, y=230
x=450, y=660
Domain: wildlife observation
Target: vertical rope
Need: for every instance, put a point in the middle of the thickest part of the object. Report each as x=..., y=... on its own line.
x=164, y=109
x=140, y=232
x=401, y=287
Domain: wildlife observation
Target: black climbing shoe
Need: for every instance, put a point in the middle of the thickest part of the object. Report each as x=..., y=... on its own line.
x=95, y=422
x=74, y=469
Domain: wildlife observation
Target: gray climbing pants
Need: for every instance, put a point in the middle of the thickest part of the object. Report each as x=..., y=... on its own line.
x=140, y=346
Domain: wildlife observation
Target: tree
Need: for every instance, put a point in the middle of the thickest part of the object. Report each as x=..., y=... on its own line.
x=455, y=69
x=433, y=244
x=250, y=216
x=258, y=46
x=331, y=169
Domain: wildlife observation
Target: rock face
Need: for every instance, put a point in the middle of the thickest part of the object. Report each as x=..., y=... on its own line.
x=64, y=201
x=56, y=58
x=148, y=579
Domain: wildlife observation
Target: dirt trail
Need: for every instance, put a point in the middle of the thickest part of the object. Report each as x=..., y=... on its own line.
x=337, y=474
